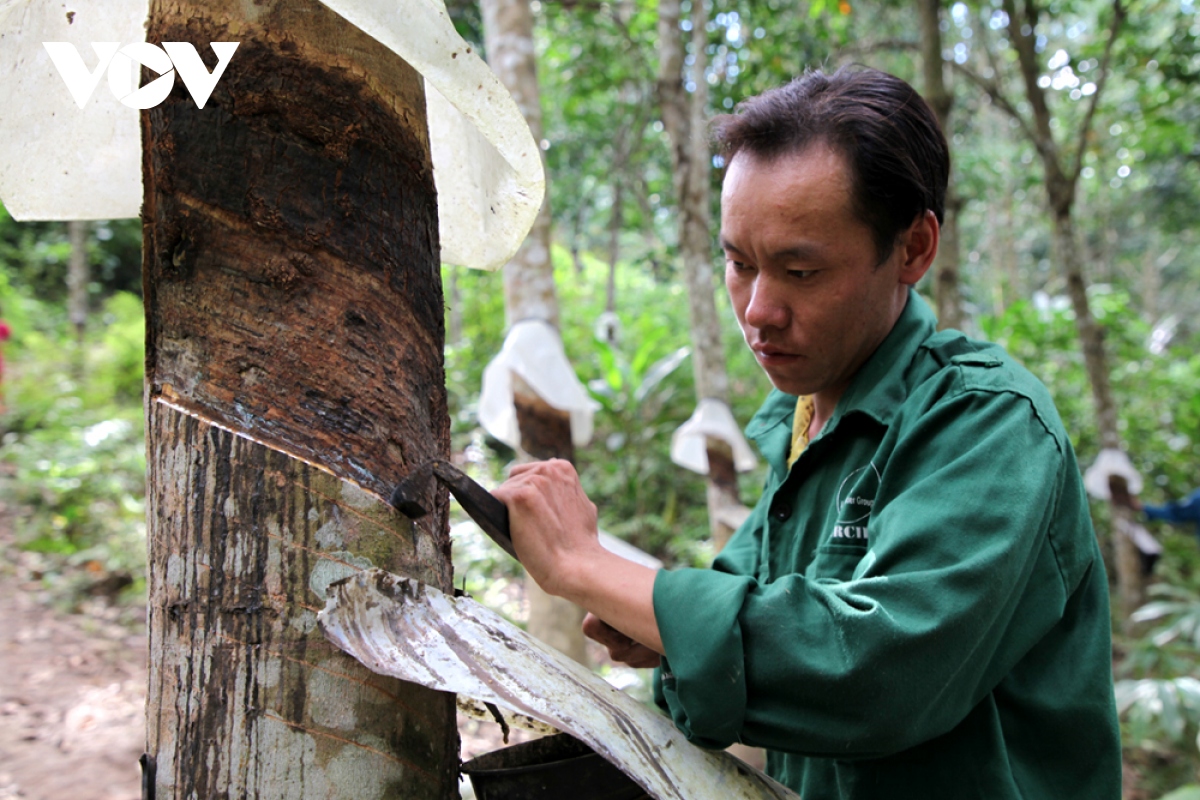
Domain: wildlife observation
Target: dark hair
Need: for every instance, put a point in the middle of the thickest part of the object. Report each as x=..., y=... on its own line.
x=886, y=132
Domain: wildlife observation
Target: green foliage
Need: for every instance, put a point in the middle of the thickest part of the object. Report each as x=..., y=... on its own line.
x=74, y=451
x=1159, y=713
x=35, y=255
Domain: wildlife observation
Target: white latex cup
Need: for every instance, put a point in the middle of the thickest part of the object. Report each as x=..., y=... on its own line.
x=58, y=161
x=1110, y=462
x=533, y=350
x=712, y=418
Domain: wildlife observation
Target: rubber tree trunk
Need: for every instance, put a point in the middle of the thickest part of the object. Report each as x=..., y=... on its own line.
x=529, y=293
x=77, y=289
x=946, y=271
x=1062, y=169
x=684, y=119
x=294, y=374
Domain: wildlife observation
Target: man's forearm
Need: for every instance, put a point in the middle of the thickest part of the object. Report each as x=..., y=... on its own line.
x=617, y=591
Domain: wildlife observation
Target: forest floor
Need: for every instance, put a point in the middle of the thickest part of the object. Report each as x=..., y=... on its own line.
x=72, y=691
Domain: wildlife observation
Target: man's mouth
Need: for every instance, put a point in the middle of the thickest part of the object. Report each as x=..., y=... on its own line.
x=770, y=355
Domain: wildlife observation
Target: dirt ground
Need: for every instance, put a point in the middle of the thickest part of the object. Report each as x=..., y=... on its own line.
x=72, y=694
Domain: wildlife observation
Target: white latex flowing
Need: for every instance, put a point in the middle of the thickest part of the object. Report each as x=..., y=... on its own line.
x=533, y=351
x=1111, y=462
x=712, y=418
x=396, y=626
x=60, y=162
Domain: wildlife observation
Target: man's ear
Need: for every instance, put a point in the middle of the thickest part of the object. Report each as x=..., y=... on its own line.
x=919, y=245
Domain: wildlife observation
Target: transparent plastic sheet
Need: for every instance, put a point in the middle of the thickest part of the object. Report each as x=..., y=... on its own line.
x=1110, y=462
x=58, y=161
x=533, y=350
x=712, y=418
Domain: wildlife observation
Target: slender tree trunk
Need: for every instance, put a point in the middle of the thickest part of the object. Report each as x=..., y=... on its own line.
x=529, y=293
x=684, y=119
x=454, y=331
x=1091, y=335
x=1010, y=272
x=294, y=374
x=1151, y=280
x=946, y=266
x=77, y=285
x=615, y=221
x=1061, y=180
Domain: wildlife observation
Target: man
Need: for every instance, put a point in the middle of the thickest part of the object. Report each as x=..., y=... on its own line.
x=916, y=607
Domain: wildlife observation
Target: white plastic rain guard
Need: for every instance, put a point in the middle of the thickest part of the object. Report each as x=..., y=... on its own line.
x=533, y=350
x=58, y=161
x=712, y=418
x=399, y=627
x=1111, y=462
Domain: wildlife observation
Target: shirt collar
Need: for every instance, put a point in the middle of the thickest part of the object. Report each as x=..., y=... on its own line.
x=877, y=389
x=879, y=386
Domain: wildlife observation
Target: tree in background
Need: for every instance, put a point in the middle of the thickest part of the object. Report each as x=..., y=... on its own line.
x=1062, y=165
x=937, y=92
x=683, y=96
x=529, y=294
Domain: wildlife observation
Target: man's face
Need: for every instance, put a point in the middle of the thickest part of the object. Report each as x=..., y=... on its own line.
x=802, y=270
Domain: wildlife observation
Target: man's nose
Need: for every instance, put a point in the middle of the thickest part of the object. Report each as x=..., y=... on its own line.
x=766, y=308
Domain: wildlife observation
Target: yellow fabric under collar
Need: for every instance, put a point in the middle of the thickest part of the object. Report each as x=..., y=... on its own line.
x=800, y=423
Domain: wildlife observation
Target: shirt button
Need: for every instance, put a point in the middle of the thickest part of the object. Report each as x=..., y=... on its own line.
x=781, y=511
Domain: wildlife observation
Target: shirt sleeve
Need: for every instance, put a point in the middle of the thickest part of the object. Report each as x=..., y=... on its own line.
x=1187, y=510
x=961, y=578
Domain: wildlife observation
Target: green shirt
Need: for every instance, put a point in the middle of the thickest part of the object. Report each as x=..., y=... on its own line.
x=917, y=608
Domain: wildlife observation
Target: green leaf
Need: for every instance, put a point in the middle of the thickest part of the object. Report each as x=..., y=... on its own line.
x=659, y=371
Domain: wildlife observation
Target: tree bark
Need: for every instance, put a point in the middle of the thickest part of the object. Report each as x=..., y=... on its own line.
x=1061, y=181
x=294, y=374
x=508, y=39
x=1091, y=335
x=683, y=115
x=77, y=280
x=946, y=267
x=529, y=293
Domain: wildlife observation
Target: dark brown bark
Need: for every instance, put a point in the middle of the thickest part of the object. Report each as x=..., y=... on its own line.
x=545, y=431
x=1131, y=580
x=293, y=297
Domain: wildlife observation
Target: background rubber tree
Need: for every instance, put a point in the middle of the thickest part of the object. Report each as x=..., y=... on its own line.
x=529, y=294
x=1062, y=159
x=683, y=96
x=293, y=373
x=946, y=290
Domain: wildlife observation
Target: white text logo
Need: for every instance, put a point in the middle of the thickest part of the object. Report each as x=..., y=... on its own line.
x=123, y=65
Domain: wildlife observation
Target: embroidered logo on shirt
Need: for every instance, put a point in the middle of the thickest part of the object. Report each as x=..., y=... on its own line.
x=855, y=499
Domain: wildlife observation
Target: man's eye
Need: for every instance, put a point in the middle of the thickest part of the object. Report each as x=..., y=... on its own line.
x=802, y=273
x=738, y=266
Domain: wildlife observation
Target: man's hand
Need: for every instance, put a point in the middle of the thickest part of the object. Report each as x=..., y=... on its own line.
x=620, y=647
x=552, y=521
x=553, y=527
